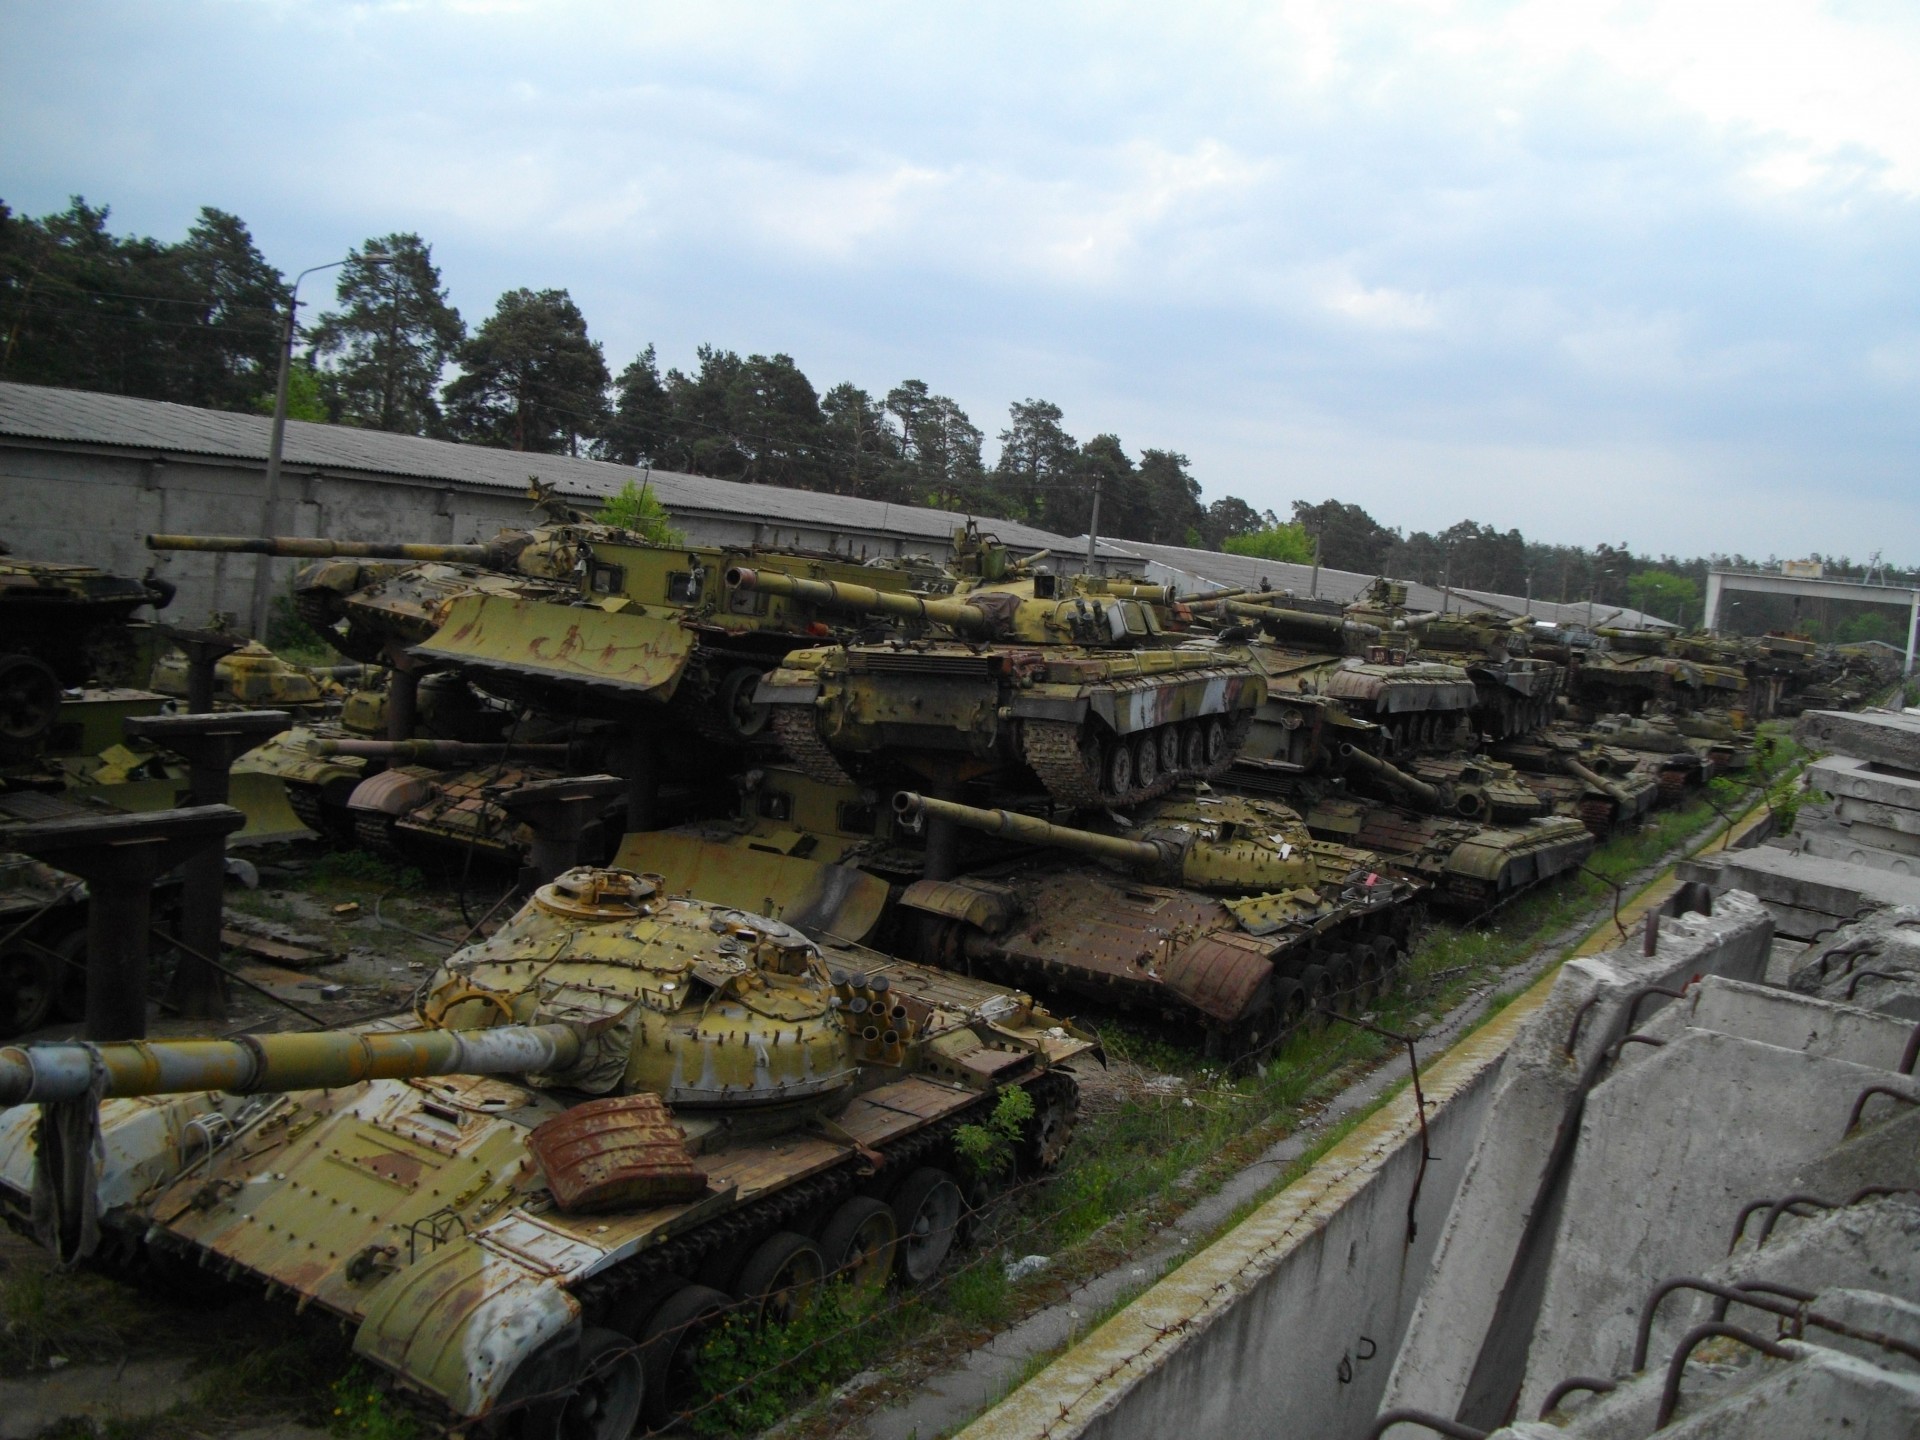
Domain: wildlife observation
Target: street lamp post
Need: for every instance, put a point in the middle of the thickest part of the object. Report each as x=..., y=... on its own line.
x=263, y=565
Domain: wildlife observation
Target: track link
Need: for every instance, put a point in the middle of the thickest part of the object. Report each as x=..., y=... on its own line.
x=800, y=738
x=1054, y=751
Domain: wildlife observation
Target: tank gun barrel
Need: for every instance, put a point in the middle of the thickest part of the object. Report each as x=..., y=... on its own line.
x=956, y=614
x=1420, y=791
x=1594, y=778
x=440, y=752
x=307, y=547
x=1301, y=624
x=1013, y=826
x=315, y=1060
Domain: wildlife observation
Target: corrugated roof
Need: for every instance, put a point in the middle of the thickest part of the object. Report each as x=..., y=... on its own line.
x=1344, y=585
x=87, y=418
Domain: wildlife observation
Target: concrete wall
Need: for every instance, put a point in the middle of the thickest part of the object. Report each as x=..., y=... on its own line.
x=1287, y=1324
x=96, y=507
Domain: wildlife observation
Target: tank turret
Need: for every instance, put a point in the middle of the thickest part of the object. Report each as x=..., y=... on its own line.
x=1082, y=687
x=617, y=1091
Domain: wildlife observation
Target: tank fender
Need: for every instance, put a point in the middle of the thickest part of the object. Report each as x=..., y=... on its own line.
x=786, y=692
x=978, y=903
x=1222, y=976
x=391, y=792
x=460, y=1322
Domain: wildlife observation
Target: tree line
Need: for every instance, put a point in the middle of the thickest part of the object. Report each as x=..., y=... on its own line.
x=199, y=321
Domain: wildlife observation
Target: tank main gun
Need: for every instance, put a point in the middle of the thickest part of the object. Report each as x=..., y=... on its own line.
x=318, y=1060
x=1455, y=797
x=958, y=615
x=303, y=547
x=1031, y=830
x=439, y=752
x=1228, y=845
x=1586, y=773
x=1282, y=621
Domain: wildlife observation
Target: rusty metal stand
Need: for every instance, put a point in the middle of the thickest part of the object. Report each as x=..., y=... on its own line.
x=120, y=856
x=558, y=811
x=209, y=743
x=204, y=649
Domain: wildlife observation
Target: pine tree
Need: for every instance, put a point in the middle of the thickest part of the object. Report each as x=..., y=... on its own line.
x=382, y=355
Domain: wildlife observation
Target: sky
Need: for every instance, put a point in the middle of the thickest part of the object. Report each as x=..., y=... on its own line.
x=1602, y=272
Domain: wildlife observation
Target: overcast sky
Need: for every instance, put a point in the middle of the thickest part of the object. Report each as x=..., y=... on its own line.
x=1598, y=271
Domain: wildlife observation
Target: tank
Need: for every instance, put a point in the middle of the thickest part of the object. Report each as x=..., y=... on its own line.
x=254, y=678
x=623, y=1117
x=1054, y=677
x=1638, y=673
x=64, y=627
x=1224, y=915
x=371, y=601
x=652, y=633
x=1606, y=787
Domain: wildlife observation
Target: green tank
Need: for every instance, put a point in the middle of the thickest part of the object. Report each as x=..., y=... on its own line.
x=64, y=627
x=1639, y=672
x=1218, y=912
x=1070, y=680
x=254, y=678
x=1606, y=787
x=620, y=1119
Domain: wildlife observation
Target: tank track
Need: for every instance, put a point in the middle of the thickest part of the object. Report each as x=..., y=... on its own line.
x=375, y=832
x=800, y=738
x=1598, y=817
x=1053, y=751
x=304, y=801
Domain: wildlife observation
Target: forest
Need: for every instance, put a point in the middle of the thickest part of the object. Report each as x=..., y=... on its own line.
x=200, y=321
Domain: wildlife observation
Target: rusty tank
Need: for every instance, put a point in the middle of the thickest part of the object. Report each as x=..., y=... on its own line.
x=1078, y=683
x=1606, y=787
x=1215, y=912
x=622, y=1118
x=253, y=677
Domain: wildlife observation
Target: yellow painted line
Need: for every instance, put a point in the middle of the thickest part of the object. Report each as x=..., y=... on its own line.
x=1097, y=1372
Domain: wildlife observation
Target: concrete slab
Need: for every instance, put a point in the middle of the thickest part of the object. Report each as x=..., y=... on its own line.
x=1801, y=883
x=1793, y=1022
x=1862, y=825
x=1671, y=1148
x=1876, y=735
x=1844, y=777
x=1834, y=842
x=1475, y=1282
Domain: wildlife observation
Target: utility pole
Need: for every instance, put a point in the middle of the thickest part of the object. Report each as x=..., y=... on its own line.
x=1093, y=526
x=263, y=565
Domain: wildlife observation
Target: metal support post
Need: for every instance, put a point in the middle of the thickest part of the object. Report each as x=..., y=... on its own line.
x=120, y=857
x=558, y=812
x=209, y=744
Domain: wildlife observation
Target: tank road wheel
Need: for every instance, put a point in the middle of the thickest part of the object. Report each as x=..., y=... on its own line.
x=1316, y=981
x=858, y=1243
x=1193, y=749
x=1056, y=1109
x=1387, y=957
x=669, y=1345
x=1116, y=775
x=609, y=1385
x=1146, y=764
x=1292, y=1004
x=1218, y=755
x=927, y=1208
x=745, y=718
x=1168, y=737
x=29, y=699
x=29, y=986
x=780, y=1278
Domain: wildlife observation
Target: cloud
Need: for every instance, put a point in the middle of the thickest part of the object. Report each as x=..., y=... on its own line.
x=1449, y=257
